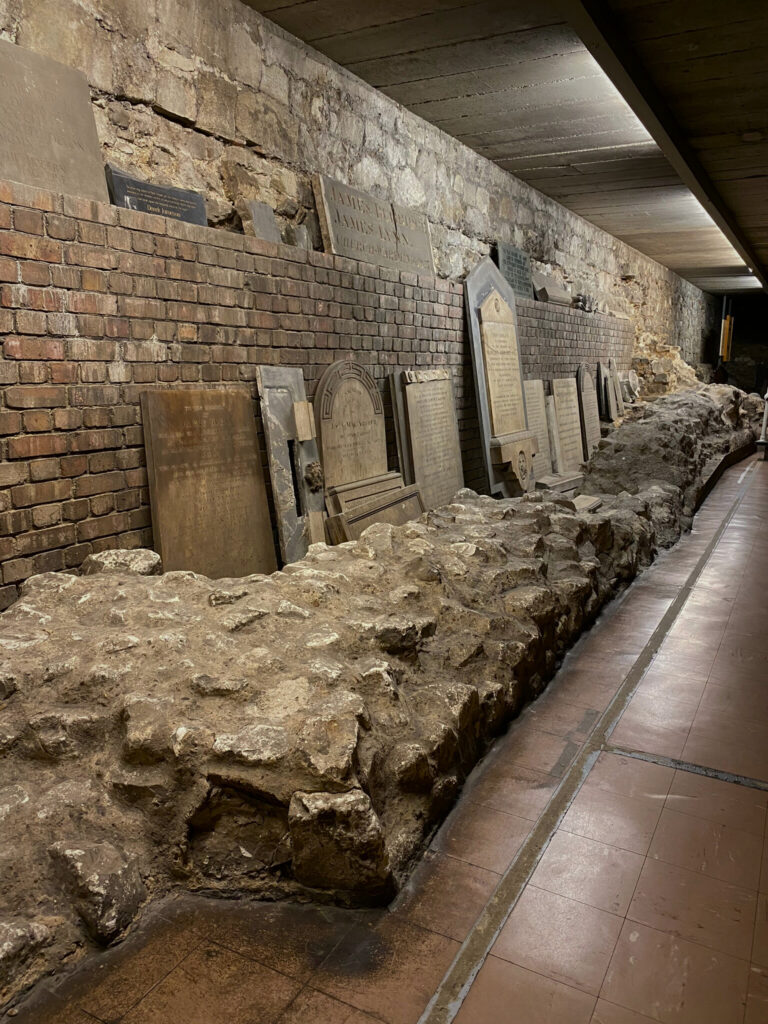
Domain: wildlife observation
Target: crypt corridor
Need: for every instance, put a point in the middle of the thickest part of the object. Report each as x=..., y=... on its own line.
x=607, y=862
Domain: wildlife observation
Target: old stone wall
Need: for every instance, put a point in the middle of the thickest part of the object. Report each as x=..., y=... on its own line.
x=98, y=303
x=216, y=98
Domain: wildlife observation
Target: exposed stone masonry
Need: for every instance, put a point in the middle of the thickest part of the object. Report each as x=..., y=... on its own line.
x=214, y=97
x=302, y=734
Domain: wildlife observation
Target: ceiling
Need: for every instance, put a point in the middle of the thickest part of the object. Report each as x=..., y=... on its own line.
x=513, y=80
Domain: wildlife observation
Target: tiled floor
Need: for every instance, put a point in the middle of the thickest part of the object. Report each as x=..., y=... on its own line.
x=643, y=898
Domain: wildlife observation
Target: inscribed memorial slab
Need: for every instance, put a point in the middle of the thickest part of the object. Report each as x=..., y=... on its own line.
x=565, y=393
x=433, y=435
x=206, y=486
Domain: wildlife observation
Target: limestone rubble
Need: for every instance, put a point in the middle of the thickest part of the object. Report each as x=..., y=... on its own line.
x=301, y=735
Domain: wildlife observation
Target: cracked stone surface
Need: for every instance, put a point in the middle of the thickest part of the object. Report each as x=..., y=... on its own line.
x=302, y=735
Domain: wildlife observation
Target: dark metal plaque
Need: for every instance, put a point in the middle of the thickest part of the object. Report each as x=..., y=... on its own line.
x=515, y=265
x=163, y=200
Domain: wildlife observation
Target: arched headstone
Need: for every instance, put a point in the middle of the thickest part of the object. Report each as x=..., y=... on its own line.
x=588, y=410
x=349, y=414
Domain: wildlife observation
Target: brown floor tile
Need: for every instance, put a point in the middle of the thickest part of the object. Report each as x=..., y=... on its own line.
x=445, y=895
x=542, y=751
x=745, y=699
x=729, y=854
x=683, y=656
x=655, y=724
x=482, y=836
x=631, y=776
x=764, y=869
x=564, y=940
x=389, y=969
x=602, y=876
x=291, y=938
x=675, y=981
x=214, y=984
x=741, y=750
x=612, y=818
x=696, y=907
x=312, y=1007
x=551, y=713
x=137, y=966
x=757, y=996
x=506, y=786
x=718, y=801
x=502, y=990
x=587, y=688
x=658, y=682
x=610, y=1013
x=760, y=943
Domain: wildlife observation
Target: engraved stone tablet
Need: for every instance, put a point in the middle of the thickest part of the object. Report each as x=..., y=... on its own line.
x=508, y=444
x=400, y=507
x=613, y=373
x=206, y=486
x=535, y=406
x=602, y=391
x=588, y=410
x=362, y=227
x=349, y=413
x=294, y=464
x=554, y=436
x=566, y=396
x=515, y=265
x=259, y=220
x=503, y=378
x=47, y=130
x=431, y=434
x=163, y=200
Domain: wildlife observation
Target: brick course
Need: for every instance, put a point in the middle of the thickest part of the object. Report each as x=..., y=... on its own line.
x=99, y=303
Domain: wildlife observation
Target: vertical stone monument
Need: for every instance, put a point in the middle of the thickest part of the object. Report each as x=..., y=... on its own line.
x=536, y=409
x=588, y=410
x=515, y=266
x=613, y=373
x=360, y=490
x=508, y=444
x=565, y=394
x=294, y=463
x=206, y=485
x=428, y=433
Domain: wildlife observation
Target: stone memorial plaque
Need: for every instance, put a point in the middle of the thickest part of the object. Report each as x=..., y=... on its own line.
x=259, y=220
x=634, y=382
x=515, y=265
x=294, y=464
x=602, y=391
x=47, y=130
x=206, y=486
x=400, y=507
x=566, y=396
x=554, y=435
x=362, y=227
x=536, y=408
x=431, y=434
x=547, y=289
x=589, y=412
x=613, y=373
x=508, y=444
x=501, y=357
x=162, y=200
x=349, y=414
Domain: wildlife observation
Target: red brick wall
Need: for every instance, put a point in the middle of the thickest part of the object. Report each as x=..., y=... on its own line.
x=98, y=303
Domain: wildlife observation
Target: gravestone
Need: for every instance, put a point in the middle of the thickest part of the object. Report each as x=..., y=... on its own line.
x=162, y=200
x=294, y=463
x=589, y=412
x=566, y=396
x=611, y=405
x=634, y=383
x=547, y=289
x=554, y=436
x=508, y=443
x=47, y=130
x=515, y=266
x=259, y=220
x=362, y=227
x=428, y=433
x=206, y=486
x=396, y=508
x=536, y=408
x=613, y=373
x=602, y=391
x=349, y=414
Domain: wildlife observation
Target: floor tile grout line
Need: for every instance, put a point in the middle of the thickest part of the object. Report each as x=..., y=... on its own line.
x=677, y=763
x=453, y=989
